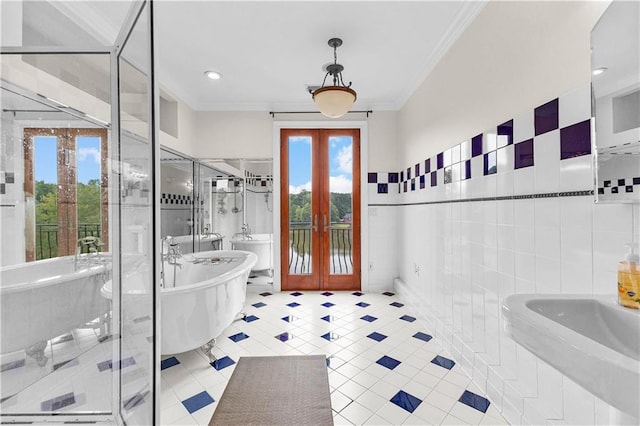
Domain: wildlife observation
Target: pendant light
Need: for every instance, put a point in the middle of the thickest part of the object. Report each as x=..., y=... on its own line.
x=334, y=101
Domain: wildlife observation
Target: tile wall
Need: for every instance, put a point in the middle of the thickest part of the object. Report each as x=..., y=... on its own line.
x=511, y=210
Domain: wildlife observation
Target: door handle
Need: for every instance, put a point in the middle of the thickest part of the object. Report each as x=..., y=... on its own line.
x=326, y=225
x=315, y=223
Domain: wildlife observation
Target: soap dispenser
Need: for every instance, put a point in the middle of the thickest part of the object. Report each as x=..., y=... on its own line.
x=629, y=279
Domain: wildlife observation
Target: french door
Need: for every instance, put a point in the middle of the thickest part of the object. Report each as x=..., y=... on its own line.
x=320, y=221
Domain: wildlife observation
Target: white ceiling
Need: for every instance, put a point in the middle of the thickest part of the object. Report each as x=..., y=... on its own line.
x=268, y=51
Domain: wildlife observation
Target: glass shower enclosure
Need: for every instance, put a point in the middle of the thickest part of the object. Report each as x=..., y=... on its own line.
x=79, y=213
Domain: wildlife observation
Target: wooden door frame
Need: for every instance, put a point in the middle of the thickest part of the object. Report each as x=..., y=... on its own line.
x=321, y=214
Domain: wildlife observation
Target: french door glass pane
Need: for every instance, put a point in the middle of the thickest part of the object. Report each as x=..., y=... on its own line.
x=341, y=202
x=300, y=207
x=45, y=173
x=88, y=174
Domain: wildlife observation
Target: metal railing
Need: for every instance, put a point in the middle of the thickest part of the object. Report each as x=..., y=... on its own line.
x=47, y=237
x=340, y=246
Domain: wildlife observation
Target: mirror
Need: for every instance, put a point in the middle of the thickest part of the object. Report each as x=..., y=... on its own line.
x=615, y=61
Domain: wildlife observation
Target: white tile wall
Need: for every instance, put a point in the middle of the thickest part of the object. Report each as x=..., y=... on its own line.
x=473, y=254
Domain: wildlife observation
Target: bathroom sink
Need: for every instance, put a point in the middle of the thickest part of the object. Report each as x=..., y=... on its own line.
x=592, y=340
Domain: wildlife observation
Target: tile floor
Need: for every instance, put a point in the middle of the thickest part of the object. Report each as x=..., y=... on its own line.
x=384, y=368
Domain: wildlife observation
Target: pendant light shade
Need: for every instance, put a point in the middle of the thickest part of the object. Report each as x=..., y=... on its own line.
x=334, y=101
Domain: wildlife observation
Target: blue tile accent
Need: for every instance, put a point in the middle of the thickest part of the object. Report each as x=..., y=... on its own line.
x=259, y=305
x=372, y=177
x=387, y=361
x=383, y=188
x=251, y=318
x=443, y=362
x=476, y=145
x=221, y=363
x=265, y=294
x=293, y=304
x=423, y=336
x=296, y=294
x=283, y=337
x=475, y=401
x=169, y=362
x=523, y=154
x=388, y=293
x=417, y=168
x=362, y=304
x=357, y=293
x=328, y=304
x=327, y=293
x=58, y=402
x=197, y=402
x=408, y=318
x=393, y=177
x=239, y=337
x=330, y=336
x=546, y=117
x=636, y=180
x=378, y=337
x=440, y=160
x=289, y=318
x=368, y=318
x=326, y=318
x=422, y=182
x=434, y=178
x=427, y=166
x=407, y=401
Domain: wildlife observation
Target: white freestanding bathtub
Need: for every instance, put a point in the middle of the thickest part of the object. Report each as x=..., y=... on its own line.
x=209, y=292
x=260, y=244
x=44, y=299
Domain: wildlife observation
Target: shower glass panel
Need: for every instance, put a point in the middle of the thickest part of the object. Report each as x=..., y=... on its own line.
x=177, y=199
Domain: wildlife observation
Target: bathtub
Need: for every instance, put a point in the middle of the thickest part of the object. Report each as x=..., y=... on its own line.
x=204, y=242
x=261, y=245
x=205, y=300
x=44, y=299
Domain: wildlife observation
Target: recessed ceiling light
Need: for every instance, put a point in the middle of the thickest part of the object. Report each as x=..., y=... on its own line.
x=213, y=75
x=599, y=71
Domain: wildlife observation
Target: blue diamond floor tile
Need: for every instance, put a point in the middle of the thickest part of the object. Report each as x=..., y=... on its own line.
x=330, y=336
x=239, y=337
x=169, y=362
x=289, y=318
x=265, y=294
x=197, y=402
x=443, y=362
x=328, y=318
x=283, y=337
x=259, y=305
x=293, y=304
x=406, y=401
x=378, y=337
x=422, y=336
x=250, y=318
x=397, y=304
x=328, y=304
x=223, y=362
x=387, y=361
x=357, y=293
x=408, y=318
x=296, y=293
x=475, y=401
x=368, y=318
x=327, y=293
x=388, y=293
x=362, y=304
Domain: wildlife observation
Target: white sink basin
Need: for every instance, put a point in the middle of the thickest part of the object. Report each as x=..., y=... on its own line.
x=592, y=340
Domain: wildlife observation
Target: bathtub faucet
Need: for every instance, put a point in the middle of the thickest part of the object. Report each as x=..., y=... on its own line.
x=92, y=244
x=246, y=231
x=171, y=257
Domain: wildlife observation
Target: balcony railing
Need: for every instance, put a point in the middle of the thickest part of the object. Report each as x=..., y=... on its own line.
x=340, y=246
x=47, y=238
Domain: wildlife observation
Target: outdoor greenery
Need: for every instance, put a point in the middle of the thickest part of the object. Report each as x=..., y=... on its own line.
x=300, y=207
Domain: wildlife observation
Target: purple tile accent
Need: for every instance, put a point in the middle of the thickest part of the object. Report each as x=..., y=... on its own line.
x=427, y=166
x=417, y=169
x=58, y=402
x=607, y=183
x=434, y=178
x=621, y=182
x=478, y=402
x=408, y=173
x=413, y=184
x=628, y=188
x=440, y=160
x=406, y=401
x=405, y=186
x=393, y=177
x=169, y=362
x=506, y=129
x=636, y=180
x=490, y=163
x=476, y=145
x=383, y=188
x=402, y=176
x=523, y=154
x=575, y=140
x=422, y=182
x=545, y=117
x=373, y=177
x=467, y=169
